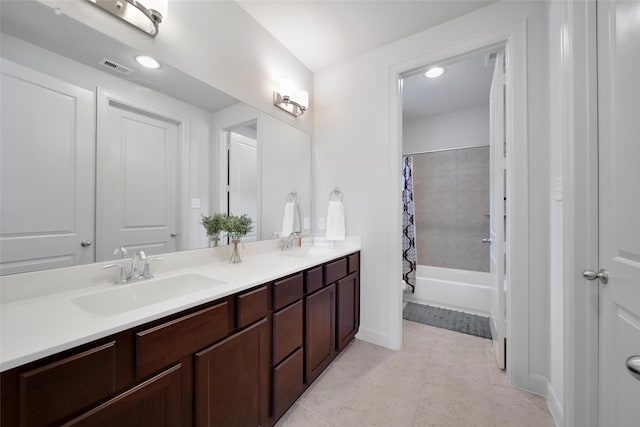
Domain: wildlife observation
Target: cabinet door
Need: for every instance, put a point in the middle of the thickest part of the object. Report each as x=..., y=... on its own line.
x=347, y=311
x=155, y=402
x=320, y=341
x=232, y=380
x=288, y=383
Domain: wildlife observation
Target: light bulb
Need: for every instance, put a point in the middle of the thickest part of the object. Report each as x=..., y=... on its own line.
x=286, y=87
x=434, y=72
x=303, y=98
x=147, y=61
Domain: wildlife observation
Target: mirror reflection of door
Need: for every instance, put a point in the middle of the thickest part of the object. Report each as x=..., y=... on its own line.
x=137, y=175
x=47, y=155
x=242, y=174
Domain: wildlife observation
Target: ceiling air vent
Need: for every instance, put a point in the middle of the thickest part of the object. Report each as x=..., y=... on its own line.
x=490, y=59
x=114, y=66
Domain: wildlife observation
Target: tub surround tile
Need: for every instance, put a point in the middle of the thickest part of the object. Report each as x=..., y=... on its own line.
x=444, y=163
x=472, y=202
x=473, y=181
x=472, y=158
x=451, y=195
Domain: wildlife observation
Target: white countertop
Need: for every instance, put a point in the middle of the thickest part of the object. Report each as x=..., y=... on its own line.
x=39, y=326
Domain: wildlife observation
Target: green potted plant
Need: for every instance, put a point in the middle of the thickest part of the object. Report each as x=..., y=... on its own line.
x=213, y=224
x=237, y=227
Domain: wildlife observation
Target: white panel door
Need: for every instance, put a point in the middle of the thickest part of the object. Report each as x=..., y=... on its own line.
x=243, y=179
x=619, y=210
x=137, y=181
x=47, y=172
x=497, y=192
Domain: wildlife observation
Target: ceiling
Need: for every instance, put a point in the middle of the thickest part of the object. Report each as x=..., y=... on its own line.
x=465, y=84
x=325, y=33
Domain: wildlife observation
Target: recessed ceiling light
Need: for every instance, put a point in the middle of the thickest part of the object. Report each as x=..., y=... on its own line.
x=434, y=72
x=147, y=61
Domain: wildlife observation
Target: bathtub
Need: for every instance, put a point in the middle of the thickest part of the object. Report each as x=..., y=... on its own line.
x=462, y=290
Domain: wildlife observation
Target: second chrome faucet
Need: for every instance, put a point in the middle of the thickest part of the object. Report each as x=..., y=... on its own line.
x=140, y=267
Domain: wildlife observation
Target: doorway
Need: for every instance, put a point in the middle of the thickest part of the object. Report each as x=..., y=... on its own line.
x=454, y=195
x=137, y=177
x=242, y=173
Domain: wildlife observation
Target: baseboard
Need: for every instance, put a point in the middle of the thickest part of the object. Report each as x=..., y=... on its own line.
x=555, y=407
x=374, y=337
x=537, y=384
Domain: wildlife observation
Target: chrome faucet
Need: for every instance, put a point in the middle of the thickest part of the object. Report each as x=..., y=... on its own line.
x=134, y=272
x=286, y=244
x=122, y=251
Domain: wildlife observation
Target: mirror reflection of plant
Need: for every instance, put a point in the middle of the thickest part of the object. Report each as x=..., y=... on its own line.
x=238, y=226
x=214, y=224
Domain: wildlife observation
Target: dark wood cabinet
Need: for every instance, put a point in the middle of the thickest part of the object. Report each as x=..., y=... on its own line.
x=320, y=331
x=232, y=380
x=58, y=389
x=155, y=402
x=158, y=347
x=288, y=382
x=241, y=360
x=347, y=311
x=288, y=331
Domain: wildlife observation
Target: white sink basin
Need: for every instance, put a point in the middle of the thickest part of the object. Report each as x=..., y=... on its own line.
x=122, y=298
x=309, y=251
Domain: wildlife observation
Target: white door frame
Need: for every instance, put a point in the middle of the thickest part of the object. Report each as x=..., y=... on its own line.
x=104, y=98
x=514, y=38
x=219, y=158
x=580, y=221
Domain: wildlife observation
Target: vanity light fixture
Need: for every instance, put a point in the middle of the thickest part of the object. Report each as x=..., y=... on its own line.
x=147, y=61
x=145, y=15
x=434, y=72
x=282, y=98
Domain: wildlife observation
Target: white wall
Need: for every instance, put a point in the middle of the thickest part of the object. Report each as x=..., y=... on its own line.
x=460, y=129
x=196, y=181
x=286, y=166
x=216, y=42
x=351, y=150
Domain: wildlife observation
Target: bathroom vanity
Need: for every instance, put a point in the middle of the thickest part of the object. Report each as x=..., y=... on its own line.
x=235, y=358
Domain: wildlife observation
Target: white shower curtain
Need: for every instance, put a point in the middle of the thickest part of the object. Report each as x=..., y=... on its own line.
x=409, y=257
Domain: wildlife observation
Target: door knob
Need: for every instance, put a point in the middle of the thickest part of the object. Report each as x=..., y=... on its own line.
x=85, y=243
x=173, y=234
x=633, y=365
x=486, y=241
x=602, y=275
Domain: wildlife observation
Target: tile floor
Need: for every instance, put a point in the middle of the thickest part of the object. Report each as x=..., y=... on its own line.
x=440, y=378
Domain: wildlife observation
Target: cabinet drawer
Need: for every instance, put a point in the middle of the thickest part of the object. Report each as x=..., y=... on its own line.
x=354, y=262
x=158, y=347
x=287, y=331
x=58, y=389
x=252, y=306
x=314, y=280
x=287, y=383
x=155, y=402
x=335, y=271
x=287, y=291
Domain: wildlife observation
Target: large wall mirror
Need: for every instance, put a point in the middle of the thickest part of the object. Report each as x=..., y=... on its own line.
x=98, y=152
